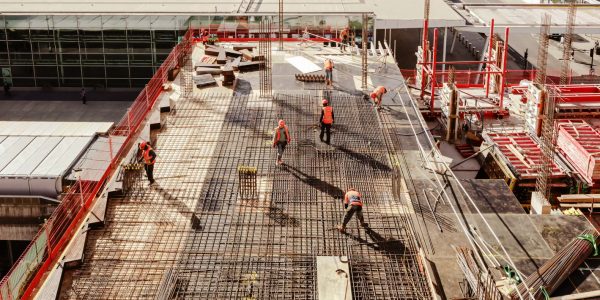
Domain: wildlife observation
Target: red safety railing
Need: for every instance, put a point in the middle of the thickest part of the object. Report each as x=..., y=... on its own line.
x=50, y=241
x=475, y=79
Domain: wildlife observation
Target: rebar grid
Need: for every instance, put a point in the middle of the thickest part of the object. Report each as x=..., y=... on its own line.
x=364, y=62
x=542, y=60
x=548, y=144
x=567, y=45
x=264, y=50
x=263, y=248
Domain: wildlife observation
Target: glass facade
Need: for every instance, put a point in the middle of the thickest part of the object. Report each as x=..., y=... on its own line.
x=121, y=51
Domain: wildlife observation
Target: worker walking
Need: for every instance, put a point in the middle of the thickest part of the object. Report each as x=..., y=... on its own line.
x=328, y=66
x=280, y=140
x=326, y=120
x=377, y=95
x=344, y=36
x=149, y=158
x=353, y=205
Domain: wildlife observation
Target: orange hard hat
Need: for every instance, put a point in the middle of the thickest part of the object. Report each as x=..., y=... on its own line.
x=325, y=102
x=281, y=123
x=143, y=145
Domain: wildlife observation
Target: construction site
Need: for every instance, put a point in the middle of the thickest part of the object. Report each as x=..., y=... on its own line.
x=470, y=175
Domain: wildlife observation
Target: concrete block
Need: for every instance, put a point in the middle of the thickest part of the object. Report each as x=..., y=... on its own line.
x=539, y=204
x=333, y=278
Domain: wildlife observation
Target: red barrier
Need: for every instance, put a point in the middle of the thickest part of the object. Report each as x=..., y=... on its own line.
x=76, y=203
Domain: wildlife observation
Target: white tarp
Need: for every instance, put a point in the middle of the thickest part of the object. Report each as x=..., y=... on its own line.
x=302, y=64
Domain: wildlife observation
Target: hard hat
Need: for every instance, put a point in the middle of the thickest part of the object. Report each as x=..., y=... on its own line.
x=325, y=102
x=373, y=95
x=143, y=145
x=281, y=123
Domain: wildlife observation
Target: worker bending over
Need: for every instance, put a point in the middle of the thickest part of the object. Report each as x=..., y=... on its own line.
x=280, y=140
x=328, y=66
x=377, y=95
x=326, y=120
x=353, y=205
x=149, y=158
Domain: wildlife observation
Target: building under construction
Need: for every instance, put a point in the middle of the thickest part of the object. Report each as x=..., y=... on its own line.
x=478, y=180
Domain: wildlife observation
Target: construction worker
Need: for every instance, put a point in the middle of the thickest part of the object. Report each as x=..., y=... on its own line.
x=280, y=140
x=326, y=119
x=353, y=205
x=328, y=66
x=377, y=94
x=148, y=157
x=344, y=36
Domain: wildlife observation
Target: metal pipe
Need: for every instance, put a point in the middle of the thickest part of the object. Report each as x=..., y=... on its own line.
x=504, y=61
x=425, y=56
x=487, y=80
x=433, y=79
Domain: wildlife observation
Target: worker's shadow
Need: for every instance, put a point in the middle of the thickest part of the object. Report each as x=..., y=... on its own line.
x=281, y=218
x=315, y=182
x=365, y=159
x=380, y=243
x=182, y=208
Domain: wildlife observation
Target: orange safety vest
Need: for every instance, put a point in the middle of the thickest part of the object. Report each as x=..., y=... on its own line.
x=278, y=134
x=327, y=115
x=328, y=64
x=344, y=33
x=147, y=158
x=380, y=90
x=353, y=198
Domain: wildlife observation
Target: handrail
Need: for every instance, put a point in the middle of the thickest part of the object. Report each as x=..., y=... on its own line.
x=46, y=247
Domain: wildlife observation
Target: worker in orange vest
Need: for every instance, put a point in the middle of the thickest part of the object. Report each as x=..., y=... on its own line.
x=377, y=94
x=326, y=119
x=344, y=36
x=353, y=205
x=328, y=66
x=149, y=158
x=280, y=140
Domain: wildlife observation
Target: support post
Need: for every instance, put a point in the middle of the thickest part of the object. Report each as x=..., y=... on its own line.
x=444, y=53
x=491, y=46
x=365, y=33
x=433, y=67
x=503, y=76
x=425, y=57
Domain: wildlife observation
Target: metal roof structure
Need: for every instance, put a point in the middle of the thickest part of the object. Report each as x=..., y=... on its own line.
x=12, y=128
x=527, y=18
x=160, y=14
x=34, y=156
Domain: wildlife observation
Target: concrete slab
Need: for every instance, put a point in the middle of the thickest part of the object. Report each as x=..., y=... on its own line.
x=333, y=278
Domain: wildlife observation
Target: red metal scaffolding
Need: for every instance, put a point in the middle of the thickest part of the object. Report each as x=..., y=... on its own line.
x=430, y=75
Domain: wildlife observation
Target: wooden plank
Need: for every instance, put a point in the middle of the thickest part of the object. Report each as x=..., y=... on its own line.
x=243, y=47
x=222, y=58
x=202, y=71
x=247, y=54
x=205, y=65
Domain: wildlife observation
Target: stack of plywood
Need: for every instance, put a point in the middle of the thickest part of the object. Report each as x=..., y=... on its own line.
x=580, y=143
